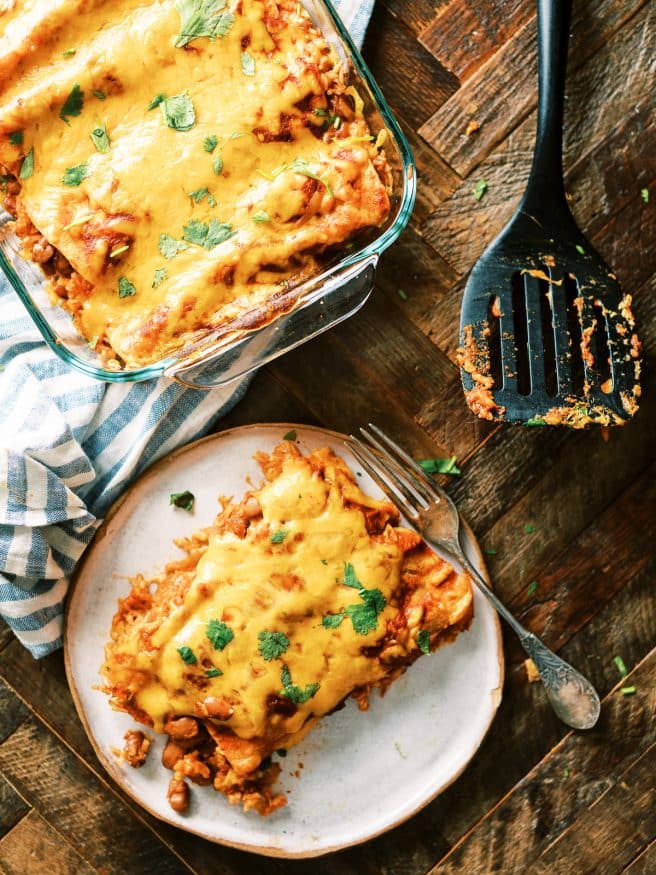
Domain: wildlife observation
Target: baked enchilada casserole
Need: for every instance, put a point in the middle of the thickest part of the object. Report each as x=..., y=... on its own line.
x=178, y=165
x=302, y=594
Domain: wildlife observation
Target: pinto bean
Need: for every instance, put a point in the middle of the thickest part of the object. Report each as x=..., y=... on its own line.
x=182, y=728
x=178, y=795
x=215, y=706
x=172, y=754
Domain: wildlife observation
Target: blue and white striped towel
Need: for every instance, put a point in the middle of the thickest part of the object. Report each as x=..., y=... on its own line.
x=69, y=446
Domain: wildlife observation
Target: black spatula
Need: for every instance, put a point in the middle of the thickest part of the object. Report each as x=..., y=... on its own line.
x=546, y=333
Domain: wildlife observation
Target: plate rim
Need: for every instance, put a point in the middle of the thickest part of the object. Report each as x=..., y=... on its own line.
x=103, y=758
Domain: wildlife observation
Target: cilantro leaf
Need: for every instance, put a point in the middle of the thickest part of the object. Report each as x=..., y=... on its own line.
x=423, y=640
x=169, y=246
x=272, y=645
x=219, y=634
x=479, y=189
x=628, y=691
x=188, y=655
x=27, y=167
x=161, y=274
x=179, y=112
x=210, y=143
x=374, y=599
x=529, y=528
x=100, y=95
x=532, y=588
x=350, y=577
x=155, y=102
x=580, y=249
x=247, y=64
x=363, y=617
x=440, y=466
x=332, y=621
x=535, y=420
x=16, y=139
x=185, y=500
x=290, y=436
x=100, y=138
x=403, y=295
x=68, y=53
x=200, y=18
x=218, y=165
x=213, y=673
x=125, y=288
x=644, y=194
x=292, y=691
x=279, y=536
x=206, y=235
x=300, y=165
x=73, y=104
x=261, y=216
x=73, y=176
x=198, y=195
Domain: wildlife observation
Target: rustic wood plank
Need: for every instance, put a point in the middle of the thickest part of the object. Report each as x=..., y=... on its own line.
x=12, y=807
x=266, y=401
x=72, y=799
x=465, y=33
x=503, y=90
x=575, y=775
x=12, y=712
x=610, y=833
x=415, y=85
x=34, y=847
x=644, y=863
x=417, y=14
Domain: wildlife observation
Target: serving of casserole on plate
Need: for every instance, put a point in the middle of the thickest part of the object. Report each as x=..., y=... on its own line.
x=176, y=168
x=292, y=604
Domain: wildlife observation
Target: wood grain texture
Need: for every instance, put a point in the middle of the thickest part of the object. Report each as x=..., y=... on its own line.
x=572, y=512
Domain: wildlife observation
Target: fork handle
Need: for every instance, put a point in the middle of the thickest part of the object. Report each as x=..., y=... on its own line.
x=572, y=696
x=546, y=185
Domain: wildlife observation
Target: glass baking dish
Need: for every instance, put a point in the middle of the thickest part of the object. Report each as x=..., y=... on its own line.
x=229, y=352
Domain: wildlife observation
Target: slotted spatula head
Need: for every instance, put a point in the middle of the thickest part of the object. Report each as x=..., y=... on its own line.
x=546, y=333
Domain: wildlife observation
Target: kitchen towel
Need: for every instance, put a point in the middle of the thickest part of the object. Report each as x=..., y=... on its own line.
x=69, y=445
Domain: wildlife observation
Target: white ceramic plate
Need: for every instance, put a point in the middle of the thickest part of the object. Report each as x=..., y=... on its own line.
x=361, y=773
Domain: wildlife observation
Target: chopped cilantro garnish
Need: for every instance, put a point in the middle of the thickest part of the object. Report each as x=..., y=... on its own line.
x=423, y=640
x=213, y=673
x=580, y=249
x=324, y=562
x=185, y=499
x=479, y=189
x=179, y=112
x=536, y=420
x=261, y=216
x=27, y=167
x=247, y=64
x=440, y=466
x=198, y=195
x=627, y=691
x=529, y=528
x=207, y=235
x=100, y=95
x=566, y=772
x=161, y=274
x=491, y=551
x=403, y=295
x=621, y=667
x=235, y=135
x=219, y=634
x=155, y=102
x=73, y=104
x=16, y=139
x=200, y=18
x=169, y=246
x=218, y=165
x=125, y=288
x=644, y=194
x=290, y=436
x=68, y=53
x=272, y=645
x=297, y=695
x=73, y=176
x=532, y=587
x=363, y=617
x=350, y=577
x=100, y=138
x=321, y=113
x=279, y=536
x=332, y=621
x=300, y=165
x=187, y=655
x=210, y=143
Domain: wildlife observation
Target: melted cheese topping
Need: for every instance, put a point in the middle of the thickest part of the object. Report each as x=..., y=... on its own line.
x=269, y=91
x=255, y=586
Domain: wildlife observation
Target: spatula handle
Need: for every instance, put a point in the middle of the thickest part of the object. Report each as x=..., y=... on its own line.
x=546, y=184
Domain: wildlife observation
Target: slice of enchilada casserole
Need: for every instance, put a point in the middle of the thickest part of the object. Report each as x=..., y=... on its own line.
x=177, y=165
x=304, y=593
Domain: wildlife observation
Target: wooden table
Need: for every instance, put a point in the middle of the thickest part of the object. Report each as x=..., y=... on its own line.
x=571, y=511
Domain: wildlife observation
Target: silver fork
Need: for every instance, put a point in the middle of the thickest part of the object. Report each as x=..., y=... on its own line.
x=435, y=517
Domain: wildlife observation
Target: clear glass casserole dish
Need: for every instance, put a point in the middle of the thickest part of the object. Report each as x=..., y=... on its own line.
x=226, y=353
